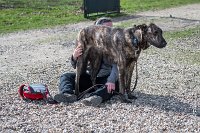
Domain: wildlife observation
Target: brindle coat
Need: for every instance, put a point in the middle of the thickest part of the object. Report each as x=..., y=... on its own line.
x=117, y=46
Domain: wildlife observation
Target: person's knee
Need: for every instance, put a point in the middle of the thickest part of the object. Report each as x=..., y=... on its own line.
x=67, y=76
x=67, y=81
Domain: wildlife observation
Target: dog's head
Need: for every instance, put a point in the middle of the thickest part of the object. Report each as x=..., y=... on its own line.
x=152, y=35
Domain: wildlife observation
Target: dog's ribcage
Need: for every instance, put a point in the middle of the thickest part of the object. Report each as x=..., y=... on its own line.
x=109, y=41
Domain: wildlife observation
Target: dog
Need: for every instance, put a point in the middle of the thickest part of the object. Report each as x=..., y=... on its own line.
x=116, y=45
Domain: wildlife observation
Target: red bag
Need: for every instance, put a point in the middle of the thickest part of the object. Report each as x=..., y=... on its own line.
x=33, y=91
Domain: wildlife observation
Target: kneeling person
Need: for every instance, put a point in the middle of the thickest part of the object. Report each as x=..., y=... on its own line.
x=108, y=75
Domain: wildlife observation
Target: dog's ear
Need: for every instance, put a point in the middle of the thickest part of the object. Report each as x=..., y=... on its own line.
x=150, y=27
x=144, y=28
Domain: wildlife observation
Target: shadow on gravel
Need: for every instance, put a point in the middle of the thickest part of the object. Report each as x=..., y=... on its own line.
x=166, y=103
x=36, y=102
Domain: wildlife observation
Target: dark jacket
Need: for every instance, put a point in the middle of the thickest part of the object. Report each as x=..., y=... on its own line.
x=105, y=70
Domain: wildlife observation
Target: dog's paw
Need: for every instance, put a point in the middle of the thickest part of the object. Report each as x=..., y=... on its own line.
x=125, y=99
x=130, y=96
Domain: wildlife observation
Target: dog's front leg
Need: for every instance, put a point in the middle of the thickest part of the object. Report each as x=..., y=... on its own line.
x=95, y=63
x=122, y=86
x=121, y=78
x=129, y=72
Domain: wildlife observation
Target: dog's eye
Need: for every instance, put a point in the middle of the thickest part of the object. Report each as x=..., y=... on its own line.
x=155, y=33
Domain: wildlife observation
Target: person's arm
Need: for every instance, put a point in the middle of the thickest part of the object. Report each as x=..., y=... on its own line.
x=112, y=78
x=77, y=52
x=73, y=62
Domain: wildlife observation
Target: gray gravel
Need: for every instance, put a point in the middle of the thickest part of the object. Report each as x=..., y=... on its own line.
x=168, y=87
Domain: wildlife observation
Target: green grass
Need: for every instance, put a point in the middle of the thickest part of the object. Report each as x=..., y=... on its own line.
x=18, y=15
x=31, y=14
x=133, y=6
x=183, y=34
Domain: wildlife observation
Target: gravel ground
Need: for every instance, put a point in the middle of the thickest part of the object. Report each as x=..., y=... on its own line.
x=168, y=87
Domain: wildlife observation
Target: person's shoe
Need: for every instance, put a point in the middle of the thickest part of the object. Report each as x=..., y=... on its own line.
x=65, y=98
x=92, y=101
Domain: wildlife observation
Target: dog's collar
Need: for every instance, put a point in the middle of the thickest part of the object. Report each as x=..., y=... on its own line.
x=135, y=41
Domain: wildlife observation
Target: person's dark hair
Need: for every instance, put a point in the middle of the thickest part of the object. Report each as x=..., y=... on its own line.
x=100, y=21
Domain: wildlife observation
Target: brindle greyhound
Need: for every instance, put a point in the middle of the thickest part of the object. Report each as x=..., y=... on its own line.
x=117, y=45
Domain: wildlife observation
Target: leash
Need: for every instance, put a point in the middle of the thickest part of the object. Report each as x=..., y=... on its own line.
x=50, y=99
x=89, y=89
x=92, y=87
x=136, y=79
x=135, y=43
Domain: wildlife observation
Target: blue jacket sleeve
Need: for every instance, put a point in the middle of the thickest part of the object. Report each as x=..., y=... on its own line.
x=113, y=77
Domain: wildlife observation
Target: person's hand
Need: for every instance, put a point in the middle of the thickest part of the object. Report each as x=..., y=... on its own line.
x=110, y=87
x=77, y=52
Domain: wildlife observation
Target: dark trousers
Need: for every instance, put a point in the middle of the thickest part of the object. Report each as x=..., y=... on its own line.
x=67, y=85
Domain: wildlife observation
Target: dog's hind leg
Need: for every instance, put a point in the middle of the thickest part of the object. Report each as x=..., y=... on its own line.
x=80, y=68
